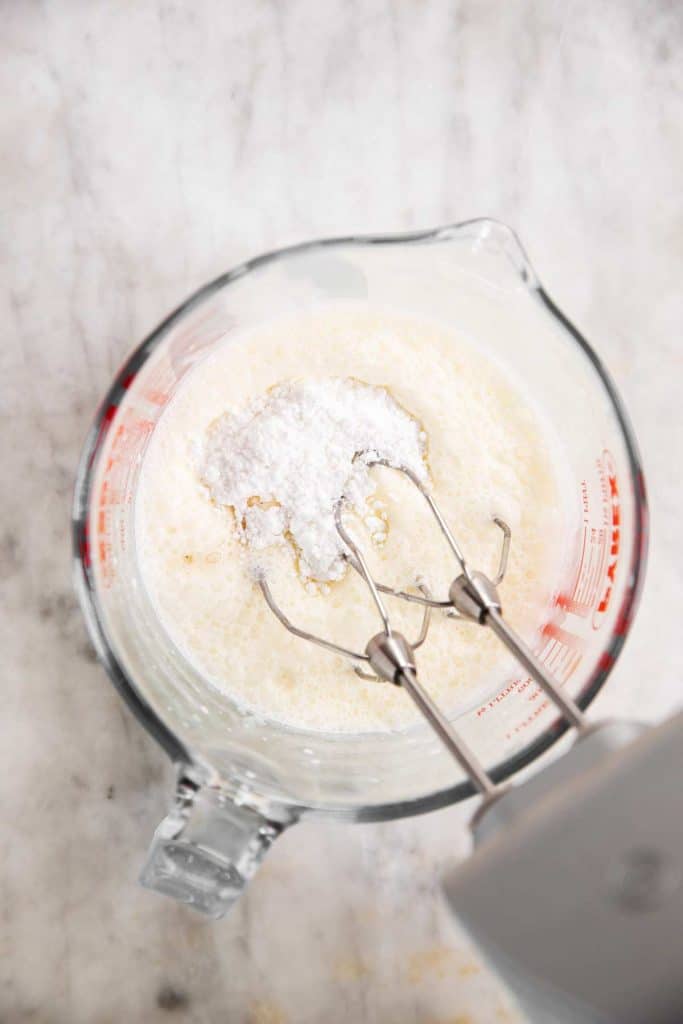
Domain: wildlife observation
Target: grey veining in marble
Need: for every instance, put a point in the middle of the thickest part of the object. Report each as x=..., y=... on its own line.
x=146, y=147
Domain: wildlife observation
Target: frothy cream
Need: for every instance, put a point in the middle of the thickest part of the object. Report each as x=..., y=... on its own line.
x=489, y=454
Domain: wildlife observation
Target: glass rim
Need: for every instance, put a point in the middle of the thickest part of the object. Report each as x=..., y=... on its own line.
x=85, y=584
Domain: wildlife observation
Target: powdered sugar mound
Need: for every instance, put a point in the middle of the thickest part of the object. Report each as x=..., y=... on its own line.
x=284, y=461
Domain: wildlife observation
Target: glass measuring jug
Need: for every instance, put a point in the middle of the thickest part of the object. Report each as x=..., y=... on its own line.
x=242, y=779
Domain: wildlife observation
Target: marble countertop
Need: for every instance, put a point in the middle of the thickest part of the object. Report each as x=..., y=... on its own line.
x=146, y=147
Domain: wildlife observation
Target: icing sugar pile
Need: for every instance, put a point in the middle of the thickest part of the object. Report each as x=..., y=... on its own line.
x=284, y=461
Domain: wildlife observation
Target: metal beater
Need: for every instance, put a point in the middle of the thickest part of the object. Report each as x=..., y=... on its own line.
x=472, y=596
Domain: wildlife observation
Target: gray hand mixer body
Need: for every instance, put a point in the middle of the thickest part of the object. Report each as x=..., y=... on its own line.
x=575, y=887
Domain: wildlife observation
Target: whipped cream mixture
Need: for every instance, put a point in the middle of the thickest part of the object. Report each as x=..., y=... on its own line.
x=247, y=463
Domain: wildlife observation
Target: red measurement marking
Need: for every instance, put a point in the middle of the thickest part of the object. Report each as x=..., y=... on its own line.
x=571, y=602
x=584, y=568
x=594, y=571
x=104, y=424
x=129, y=437
x=156, y=397
x=554, y=629
x=591, y=592
x=491, y=704
x=530, y=719
x=597, y=554
x=85, y=546
x=554, y=659
x=606, y=662
x=622, y=623
x=117, y=441
x=614, y=543
x=562, y=655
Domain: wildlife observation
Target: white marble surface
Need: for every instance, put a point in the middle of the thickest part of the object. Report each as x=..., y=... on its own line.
x=145, y=148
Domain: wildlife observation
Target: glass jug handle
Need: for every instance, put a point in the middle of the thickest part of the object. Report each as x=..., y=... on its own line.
x=207, y=849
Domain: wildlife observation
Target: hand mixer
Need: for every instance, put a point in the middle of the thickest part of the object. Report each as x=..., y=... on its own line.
x=574, y=890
